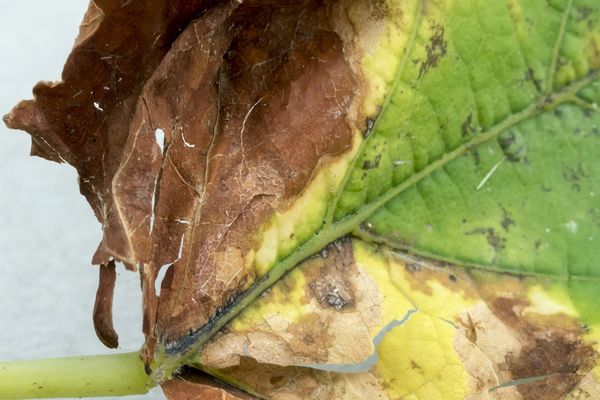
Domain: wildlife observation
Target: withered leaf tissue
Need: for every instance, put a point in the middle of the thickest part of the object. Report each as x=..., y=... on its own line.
x=189, y=123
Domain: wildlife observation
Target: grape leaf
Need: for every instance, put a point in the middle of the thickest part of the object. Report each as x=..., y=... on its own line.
x=228, y=148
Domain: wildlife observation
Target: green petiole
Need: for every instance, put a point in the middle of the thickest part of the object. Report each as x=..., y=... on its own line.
x=85, y=376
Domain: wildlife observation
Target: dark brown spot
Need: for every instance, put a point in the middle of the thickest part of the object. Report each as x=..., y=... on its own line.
x=566, y=360
x=310, y=337
x=493, y=239
x=575, y=176
x=412, y=267
x=476, y=156
x=370, y=124
x=513, y=146
x=530, y=77
x=416, y=366
x=380, y=9
x=467, y=127
x=583, y=13
x=558, y=113
x=436, y=49
x=507, y=221
x=329, y=276
x=594, y=215
x=368, y=164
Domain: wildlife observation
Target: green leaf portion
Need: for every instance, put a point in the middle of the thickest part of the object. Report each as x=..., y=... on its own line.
x=484, y=140
x=537, y=212
x=466, y=73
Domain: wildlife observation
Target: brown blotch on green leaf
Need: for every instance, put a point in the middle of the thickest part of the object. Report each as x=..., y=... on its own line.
x=436, y=49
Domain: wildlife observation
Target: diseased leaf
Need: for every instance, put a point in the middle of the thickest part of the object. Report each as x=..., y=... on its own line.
x=224, y=142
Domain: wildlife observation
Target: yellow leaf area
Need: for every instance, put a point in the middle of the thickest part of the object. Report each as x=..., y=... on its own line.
x=360, y=321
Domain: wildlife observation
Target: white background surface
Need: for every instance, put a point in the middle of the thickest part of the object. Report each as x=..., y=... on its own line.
x=47, y=230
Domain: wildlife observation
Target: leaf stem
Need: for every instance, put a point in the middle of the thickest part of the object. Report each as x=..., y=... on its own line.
x=86, y=376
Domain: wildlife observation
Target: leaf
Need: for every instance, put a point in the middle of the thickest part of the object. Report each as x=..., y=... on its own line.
x=462, y=132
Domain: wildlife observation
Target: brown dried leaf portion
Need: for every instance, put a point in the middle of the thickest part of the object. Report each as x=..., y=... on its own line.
x=87, y=120
x=181, y=101
x=190, y=123
x=84, y=119
x=298, y=383
x=551, y=346
x=201, y=387
x=284, y=90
